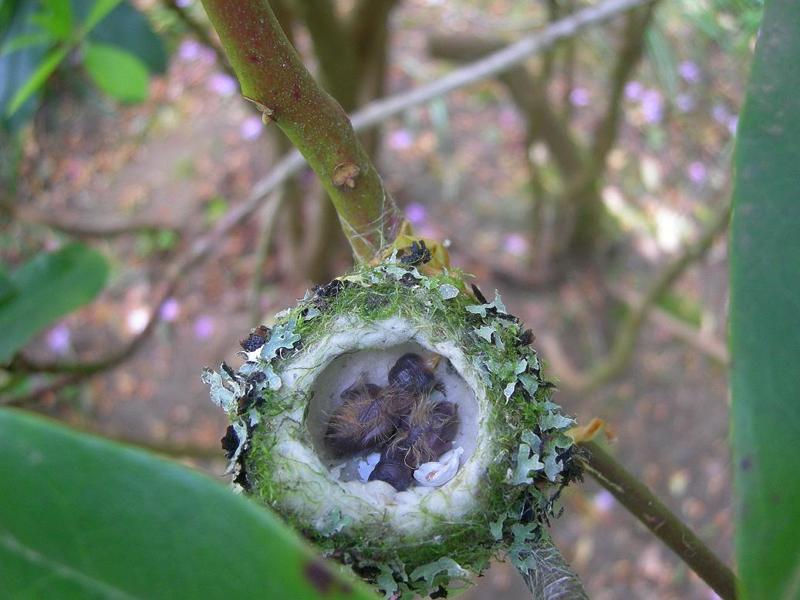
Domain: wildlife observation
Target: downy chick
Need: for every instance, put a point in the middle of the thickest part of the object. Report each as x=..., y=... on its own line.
x=366, y=419
x=426, y=433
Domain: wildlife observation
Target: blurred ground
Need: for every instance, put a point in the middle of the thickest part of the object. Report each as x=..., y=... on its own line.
x=457, y=167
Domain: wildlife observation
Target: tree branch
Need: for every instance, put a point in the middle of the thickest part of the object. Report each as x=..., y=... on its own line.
x=706, y=343
x=79, y=227
x=527, y=92
x=550, y=577
x=495, y=63
x=628, y=333
x=582, y=191
x=333, y=48
x=272, y=74
x=628, y=59
x=654, y=515
x=271, y=216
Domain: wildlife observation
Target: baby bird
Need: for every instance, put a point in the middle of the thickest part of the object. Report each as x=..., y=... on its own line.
x=425, y=434
x=414, y=374
x=366, y=419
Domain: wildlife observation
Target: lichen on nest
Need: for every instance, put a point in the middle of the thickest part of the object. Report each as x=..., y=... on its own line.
x=515, y=455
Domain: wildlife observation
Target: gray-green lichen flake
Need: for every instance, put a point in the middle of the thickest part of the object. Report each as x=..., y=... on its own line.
x=447, y=291
x=445, y=565
x=224, y=390
x=527, y=459
x=283, y=336
x=481, y=309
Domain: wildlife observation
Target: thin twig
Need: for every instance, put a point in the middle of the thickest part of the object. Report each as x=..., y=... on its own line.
x=706, y=343
x=370, y=116
x=272, y=212
x=663, y=523
x=502, y=60
x=628, y=333
x=79, y=227
x=527, y=91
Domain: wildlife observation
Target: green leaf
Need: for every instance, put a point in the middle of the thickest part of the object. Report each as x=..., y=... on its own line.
x=7, y=287
x=17, y=67
x=660, y=53
x=48, y=287
x=27, y=40
x=87, y=518
x=55, y=19
x=117, y=72
x=128, y=29
x=37, y=79
x=100, y=9
x=765, y=313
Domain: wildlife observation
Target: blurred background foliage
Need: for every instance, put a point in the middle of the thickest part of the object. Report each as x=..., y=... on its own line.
x=588, y=184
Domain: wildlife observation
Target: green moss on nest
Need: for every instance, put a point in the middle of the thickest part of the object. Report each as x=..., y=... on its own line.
x=530, y=455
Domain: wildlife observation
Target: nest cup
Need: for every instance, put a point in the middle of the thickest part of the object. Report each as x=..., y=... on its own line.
x=510, y=435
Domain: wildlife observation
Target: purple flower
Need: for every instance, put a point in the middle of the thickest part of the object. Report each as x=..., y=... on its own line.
x=721, y=114
x=579, y=97
x=652, y=106
x=509, y=118
x=188, y=50
x=400, y=139
x=732, y=124
x=207, y=55
x=633, y=91
x=689, y=71
x=515, y=244
x=697, y=172
x=416, y=213
x=684, y=103
x=58, y=339
x=204, y=327
x=222, y=84
x=183, y=3
x=170, y=310
x=251, y=128
x=603, y=501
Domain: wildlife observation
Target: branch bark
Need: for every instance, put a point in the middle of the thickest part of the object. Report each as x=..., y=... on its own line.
x=497, y=62
x=82, y=228
x=271, y=74
x=663, y=523
x=527, y=91
x=583, y=191
x=550, y=577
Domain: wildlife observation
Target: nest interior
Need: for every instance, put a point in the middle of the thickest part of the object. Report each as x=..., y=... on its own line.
x=372, y=365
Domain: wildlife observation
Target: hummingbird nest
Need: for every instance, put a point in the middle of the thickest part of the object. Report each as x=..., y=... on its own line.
x=401, y=422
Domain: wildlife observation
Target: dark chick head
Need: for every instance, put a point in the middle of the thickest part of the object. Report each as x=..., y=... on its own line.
x=393, y=469
x=364, y=420
x=414, y=373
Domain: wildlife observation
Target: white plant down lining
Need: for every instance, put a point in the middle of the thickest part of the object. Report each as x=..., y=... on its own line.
x=327, y=489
